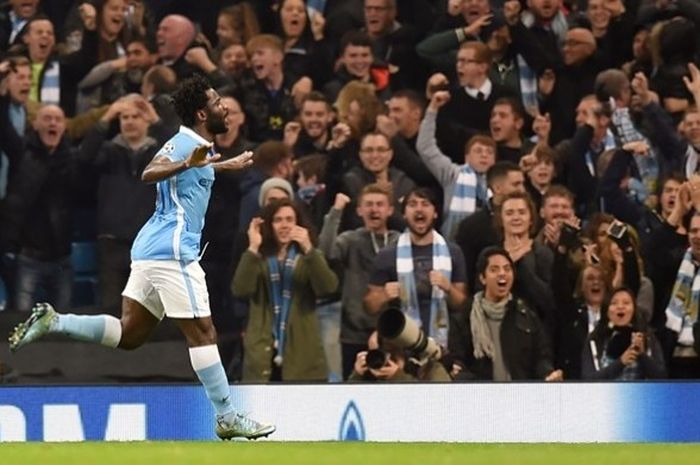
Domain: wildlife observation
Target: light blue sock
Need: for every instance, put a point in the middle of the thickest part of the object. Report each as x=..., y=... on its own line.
x=102, y=329
x=207, y=364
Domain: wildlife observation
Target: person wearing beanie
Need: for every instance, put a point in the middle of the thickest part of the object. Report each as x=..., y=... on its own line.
x=274, y=189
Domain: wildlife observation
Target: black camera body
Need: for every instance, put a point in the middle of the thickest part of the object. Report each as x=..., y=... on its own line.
x=376, y=358
x=570, y=237
x=619, y=341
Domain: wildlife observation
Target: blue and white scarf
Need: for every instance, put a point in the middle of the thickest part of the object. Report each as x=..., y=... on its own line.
x=529, y=88
x=281, y=295
x=442, y=261
x=648, y=165
x=467, y=190
x=682, y=310
x=50, y=91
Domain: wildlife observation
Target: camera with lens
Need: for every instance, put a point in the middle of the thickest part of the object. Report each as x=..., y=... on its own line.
x=401, y=331
x=376, y=359
x=570, y=237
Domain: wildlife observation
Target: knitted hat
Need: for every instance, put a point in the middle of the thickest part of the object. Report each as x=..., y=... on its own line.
x=274, y=183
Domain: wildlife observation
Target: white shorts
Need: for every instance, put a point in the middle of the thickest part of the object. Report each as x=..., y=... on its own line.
x=169, y=288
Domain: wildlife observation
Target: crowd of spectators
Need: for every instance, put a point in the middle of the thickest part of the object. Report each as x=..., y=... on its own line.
x=519, y=177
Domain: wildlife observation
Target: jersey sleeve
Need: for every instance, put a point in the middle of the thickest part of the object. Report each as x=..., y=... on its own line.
x=176, y=149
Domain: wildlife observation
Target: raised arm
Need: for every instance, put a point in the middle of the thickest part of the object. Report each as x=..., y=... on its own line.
x=161, y=167
x=437, y=162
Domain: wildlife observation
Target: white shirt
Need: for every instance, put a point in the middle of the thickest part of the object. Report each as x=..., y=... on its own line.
x=485, y=89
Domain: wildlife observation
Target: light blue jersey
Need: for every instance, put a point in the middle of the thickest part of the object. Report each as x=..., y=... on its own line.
x=175, y=229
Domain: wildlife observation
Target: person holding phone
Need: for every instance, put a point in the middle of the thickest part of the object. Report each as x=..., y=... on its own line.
x=620, y=347
x=282, y=274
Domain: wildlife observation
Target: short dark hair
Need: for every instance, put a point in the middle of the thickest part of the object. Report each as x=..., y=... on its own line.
x=356, y=38
x=514, y=105
x=312, y=165
x=163, y=79
x=269, y=154
x=421, y=193
x=499, y=171
x=610, y=83
x=315, y=96
x=482, y=261
x=414, y=98
x=148, y=43
x=191, y=97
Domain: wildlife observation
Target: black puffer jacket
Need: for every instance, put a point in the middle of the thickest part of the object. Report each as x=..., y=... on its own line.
x=37, y=214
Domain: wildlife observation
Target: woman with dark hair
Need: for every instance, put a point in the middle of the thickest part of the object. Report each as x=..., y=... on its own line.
x=282, y=274
x=305, y=49
x=621, y=347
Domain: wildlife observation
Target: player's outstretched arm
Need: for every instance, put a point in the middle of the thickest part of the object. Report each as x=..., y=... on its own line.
x=239, y=162
x=162, y=167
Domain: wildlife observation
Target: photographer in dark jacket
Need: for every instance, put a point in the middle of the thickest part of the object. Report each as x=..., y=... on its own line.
x=36, y=215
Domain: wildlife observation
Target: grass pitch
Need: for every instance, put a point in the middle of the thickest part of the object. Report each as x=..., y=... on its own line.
x=337, y=453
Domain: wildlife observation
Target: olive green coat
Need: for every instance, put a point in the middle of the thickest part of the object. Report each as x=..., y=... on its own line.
x=304, y=359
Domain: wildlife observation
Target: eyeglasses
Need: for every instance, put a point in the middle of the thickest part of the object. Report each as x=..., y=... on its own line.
x=375, y=150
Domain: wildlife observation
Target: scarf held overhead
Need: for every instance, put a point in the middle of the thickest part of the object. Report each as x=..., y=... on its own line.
x=442, y=262
x=463, y=202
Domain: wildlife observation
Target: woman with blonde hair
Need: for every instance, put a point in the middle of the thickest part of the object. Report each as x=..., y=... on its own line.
x=358, y=107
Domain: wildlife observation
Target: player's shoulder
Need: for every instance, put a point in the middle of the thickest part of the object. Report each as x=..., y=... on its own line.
x=178, y=147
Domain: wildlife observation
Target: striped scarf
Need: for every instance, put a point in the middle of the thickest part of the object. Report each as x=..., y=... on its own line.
x=281, y=295
x=648, y=165
x=442, y=261
x=467, y=189
x=528, y=86
x=51, y=83
x=528, y=77
x=682, y=310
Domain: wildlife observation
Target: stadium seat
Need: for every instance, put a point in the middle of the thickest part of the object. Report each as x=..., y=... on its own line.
x=85, y=284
